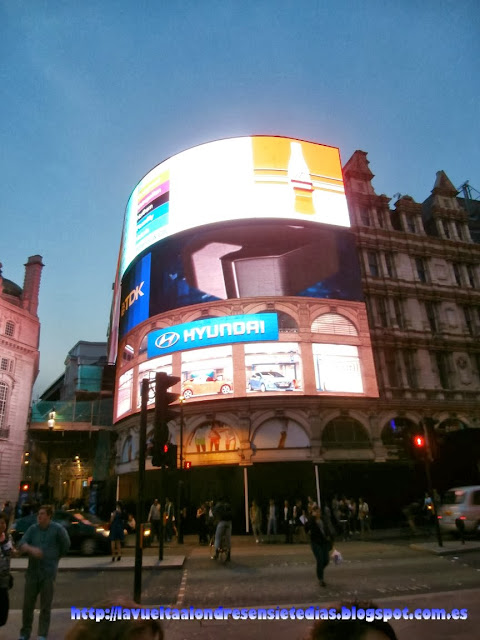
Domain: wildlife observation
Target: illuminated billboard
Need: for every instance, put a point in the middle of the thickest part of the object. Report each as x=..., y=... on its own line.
x=253, y=177
x=240, y=261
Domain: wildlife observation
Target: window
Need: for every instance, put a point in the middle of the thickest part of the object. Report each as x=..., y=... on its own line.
x=421, y=270
x=457, y=274
x=441, y=359
x=345, y=433
x=390, y=264
x=410, y=369
x=3, y=403
x=391, y=366
x=6, y=364
x=397, y=306
x=382, y=312
x=459, y=230
x=334, y=324
x=470, y=275
x=372, y=259
x=468, y=319
x=446, y=230
x=9, y=328
x=411, y=226
x=365, y=217
x=431, y=316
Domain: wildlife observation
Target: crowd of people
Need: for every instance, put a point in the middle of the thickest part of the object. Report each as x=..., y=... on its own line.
x=343, y=518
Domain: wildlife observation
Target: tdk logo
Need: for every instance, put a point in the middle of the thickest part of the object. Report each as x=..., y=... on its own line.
x=167, y=340
x=132, y=297
x=213, y=331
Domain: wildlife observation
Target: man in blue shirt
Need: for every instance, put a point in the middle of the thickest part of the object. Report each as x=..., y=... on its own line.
x=44, y=543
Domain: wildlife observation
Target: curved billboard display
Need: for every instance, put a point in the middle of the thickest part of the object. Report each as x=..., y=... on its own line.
x=254, y=177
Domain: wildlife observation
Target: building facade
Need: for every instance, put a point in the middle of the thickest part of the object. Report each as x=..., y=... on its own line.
x=19, y=362
x=375, y=334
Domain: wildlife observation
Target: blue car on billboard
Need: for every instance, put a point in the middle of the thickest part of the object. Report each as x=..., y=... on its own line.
x=269, y=381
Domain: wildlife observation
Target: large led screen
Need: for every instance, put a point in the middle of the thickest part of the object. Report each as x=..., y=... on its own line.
x=233, y=260
x=254, y=177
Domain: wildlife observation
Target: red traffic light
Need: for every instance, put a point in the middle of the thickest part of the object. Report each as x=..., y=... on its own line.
x=165, y=448
x=187, y=464
x=419, y=442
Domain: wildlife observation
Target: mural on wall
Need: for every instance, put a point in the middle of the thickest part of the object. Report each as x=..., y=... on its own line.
x=280, y=433
x=212, y=436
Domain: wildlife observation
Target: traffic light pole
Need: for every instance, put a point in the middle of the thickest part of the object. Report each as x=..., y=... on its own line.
x=428, y=458
x=137, y=585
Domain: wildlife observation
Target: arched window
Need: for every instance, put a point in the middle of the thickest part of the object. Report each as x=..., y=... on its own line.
x=3, y=403
x=397, y=430
x=334, y=324
x=286, y=324
x=128, y=353
x=143, y=344
x=9, y=328
x=345, y=433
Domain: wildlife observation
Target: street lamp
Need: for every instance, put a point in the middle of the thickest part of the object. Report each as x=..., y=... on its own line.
x=51, y=426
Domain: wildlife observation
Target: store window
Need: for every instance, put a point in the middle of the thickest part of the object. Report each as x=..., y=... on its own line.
x=337, y=368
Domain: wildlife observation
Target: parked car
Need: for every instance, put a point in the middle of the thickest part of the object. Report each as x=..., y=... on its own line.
x=202, y=386
x=88, y=533
x=269, y=381
x=461, y=503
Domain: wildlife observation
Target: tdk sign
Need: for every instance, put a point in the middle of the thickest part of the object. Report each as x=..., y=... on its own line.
x=213, y=331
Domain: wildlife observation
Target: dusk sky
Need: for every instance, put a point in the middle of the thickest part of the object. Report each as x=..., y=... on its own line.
x=94, y=94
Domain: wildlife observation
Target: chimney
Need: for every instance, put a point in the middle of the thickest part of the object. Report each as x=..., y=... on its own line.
x=31, y=284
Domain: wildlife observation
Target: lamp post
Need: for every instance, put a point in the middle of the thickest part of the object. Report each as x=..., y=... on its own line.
x=51, y=426
x=181, y=399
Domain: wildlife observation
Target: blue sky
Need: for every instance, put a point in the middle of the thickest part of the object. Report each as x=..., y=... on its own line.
x=94, y=94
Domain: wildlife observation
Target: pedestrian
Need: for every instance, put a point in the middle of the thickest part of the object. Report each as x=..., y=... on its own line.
x=202, y=523
x=363, y=516
x=223, y=514
x=6, y=550
x=287, y=522
x=256, y=520
x=131, y=629
x=7, y=510
x=320, y=542
x=271, y=518
x=44, y=542
x=169, y=520
x=117, y=531
x=154, y=517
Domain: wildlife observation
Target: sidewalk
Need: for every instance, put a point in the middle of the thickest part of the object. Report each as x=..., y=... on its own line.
x=104, y=563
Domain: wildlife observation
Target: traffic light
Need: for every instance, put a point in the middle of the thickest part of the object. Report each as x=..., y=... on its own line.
x=165, y=456
x=419, y=442
x=163, y=413
x=187, y=464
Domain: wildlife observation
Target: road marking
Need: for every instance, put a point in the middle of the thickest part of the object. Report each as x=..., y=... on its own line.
x=182, y=588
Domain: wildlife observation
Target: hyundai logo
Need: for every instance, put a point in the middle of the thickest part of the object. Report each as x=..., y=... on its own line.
x=167, y=340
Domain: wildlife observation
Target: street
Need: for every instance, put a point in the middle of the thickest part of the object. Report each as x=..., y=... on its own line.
x=270, y=575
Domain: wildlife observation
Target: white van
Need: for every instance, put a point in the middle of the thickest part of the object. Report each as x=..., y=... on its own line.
x=461, y=503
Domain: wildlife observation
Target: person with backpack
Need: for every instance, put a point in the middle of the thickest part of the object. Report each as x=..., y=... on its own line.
x=223, y=514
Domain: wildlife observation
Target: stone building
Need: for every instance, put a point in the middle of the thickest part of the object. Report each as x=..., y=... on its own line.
x=19, y=362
